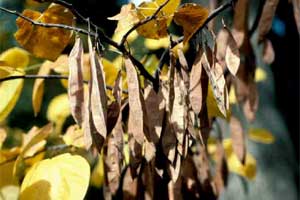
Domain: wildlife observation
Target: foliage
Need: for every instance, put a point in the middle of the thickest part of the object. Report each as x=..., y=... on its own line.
x=141, y=124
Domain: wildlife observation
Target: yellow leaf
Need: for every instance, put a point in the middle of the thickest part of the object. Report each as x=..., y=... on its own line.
x=45, y=42
x=34, y=141
x=156, y=28
x=63, y=177
x=15, y=57
x=6, y=174
x=38, y=88
x=157, y=44
x=212, y=106
x=59, y=110
x=10, y=92
x=126, y=18
x=260, y=75
x=191, y=17
x=232, y=96
x=261, y=135
x=74, y=136
x=248, y=170
x=97, y=176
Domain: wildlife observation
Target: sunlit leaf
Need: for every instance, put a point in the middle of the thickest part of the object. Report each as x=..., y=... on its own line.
x=156, y=28
x=232, y=56
x=75, y=80
x=10, y=92
x=74, y=136
x=33, y=142
x=136, y=115
x=191, y=17
x=126, y=18
x=15, y=57
x=98, y=98
x=38, y=88
x=62, y=177
x=261, y=135
x=45, y=42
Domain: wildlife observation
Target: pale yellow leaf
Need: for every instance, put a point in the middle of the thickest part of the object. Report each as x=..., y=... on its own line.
x=15, y=57
x=10, y=92
x=38, y=88
x=62, y=177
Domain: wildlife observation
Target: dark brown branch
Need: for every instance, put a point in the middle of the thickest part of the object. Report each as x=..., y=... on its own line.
x=144, y=21
x=101, y=35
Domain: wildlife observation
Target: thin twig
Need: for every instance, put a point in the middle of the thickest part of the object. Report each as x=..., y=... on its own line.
x=144, y=21
x=32, y=76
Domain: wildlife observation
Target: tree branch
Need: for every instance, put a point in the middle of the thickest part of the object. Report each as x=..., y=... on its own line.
x=101, y=35
x=144, y=21
x=33, y=76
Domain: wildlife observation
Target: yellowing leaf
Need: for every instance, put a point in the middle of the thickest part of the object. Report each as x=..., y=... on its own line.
x=10, y=92
x=191, y=17
x=6, y=174
x=74, y=136
x=157, y=44
x=34, y=141
x=261, y=135
x=126, y=18
x=59, y=110
x=156, y=28
x=45, y=42
x=247, y=170
x=15, y=57
x=63, y=177
x=38, y=88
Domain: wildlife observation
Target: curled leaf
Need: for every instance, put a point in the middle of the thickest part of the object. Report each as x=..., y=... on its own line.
x=75, y=80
